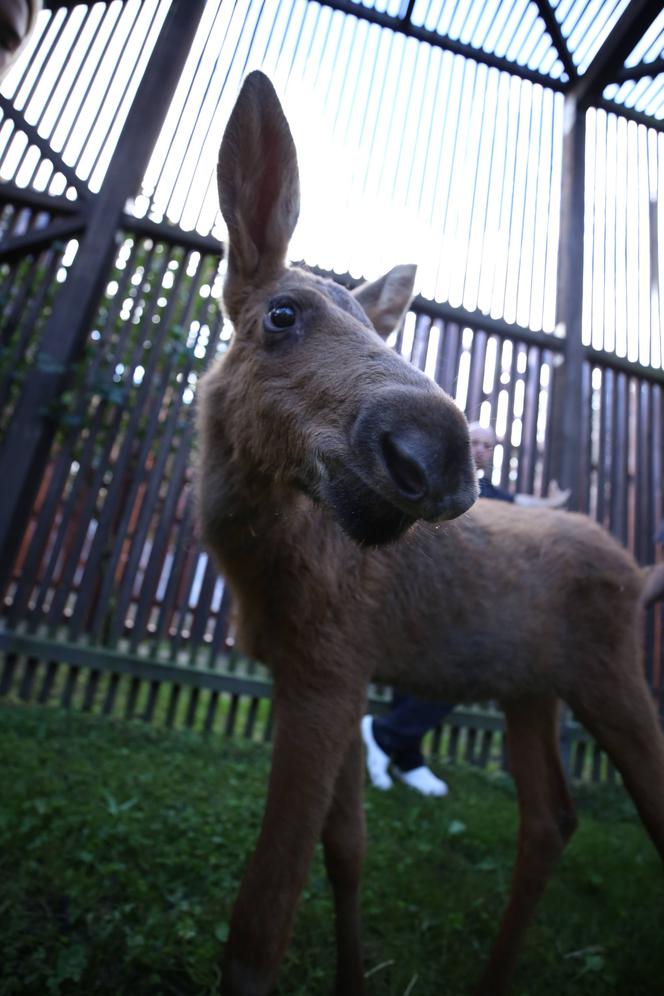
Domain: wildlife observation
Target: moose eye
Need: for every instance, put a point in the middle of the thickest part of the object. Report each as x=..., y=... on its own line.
x=280, y=317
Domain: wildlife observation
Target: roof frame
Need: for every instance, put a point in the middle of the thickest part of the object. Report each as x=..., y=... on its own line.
x=553, y=27
x=608, y=64
x=404, y=26
x=587, y=88
x=640, y=71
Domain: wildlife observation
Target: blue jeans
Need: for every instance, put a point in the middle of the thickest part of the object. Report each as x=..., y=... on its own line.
x=399, y=732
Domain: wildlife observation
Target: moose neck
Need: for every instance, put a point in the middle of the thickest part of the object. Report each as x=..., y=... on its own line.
x=279, y=552
x=253, y=520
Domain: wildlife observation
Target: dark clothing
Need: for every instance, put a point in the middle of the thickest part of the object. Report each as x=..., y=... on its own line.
x=489, y=490
x=399, y=732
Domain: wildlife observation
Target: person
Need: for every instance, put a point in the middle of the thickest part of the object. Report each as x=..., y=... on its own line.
x=482, y=445
x=393, y=741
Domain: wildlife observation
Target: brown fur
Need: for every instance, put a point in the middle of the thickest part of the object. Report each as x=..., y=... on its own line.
x=319, y=443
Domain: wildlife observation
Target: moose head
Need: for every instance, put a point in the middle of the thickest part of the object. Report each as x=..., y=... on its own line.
x=334, y=412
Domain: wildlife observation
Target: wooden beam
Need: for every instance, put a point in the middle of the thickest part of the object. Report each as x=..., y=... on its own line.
x=30, y=434
x=162, y=231
x=643, y=69
x=409, y=11
x=44, y=147
x=493, y=326
x=625, y=35
x=102, y=658
x=460, y=316
x=630, y=114
x=404, y=27
x=553, y=27
x=68, y=4
x=567, y=455
x=34, y=241
x=10, y=193
x=602, y=358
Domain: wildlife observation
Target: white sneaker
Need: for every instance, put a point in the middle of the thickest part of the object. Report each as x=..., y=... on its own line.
x=423, y=780
x=377, y=760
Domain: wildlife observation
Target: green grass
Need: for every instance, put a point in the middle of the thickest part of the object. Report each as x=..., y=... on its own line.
x=121, y=848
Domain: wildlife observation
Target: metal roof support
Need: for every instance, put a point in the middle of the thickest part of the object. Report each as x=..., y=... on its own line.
x=643, y=69
x=608, y=63
x=566, y=435
x=408, y=12
x=405, y=27
x=45, y=147
x=28, y=441
x=553, y=27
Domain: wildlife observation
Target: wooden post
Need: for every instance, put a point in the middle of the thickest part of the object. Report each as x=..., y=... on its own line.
x=28, y=441
x=567, y=418
x=567, y=434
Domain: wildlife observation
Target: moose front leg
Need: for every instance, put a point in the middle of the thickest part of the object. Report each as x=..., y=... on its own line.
x=344, y=843
x=307, y=757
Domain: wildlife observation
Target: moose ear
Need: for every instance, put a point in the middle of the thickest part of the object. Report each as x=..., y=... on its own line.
x=386, y=300
x=259, y=189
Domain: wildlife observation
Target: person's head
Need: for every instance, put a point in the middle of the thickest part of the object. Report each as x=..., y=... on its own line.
x=482, y=444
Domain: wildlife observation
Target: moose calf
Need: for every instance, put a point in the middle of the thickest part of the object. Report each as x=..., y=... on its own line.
x=332, y=481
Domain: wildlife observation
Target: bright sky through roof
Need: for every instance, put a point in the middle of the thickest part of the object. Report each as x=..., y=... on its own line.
x=407, y=153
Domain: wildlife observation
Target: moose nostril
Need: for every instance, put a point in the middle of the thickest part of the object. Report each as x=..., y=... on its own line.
x=404, y=467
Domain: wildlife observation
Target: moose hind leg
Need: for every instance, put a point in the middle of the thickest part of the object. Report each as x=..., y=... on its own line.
x=620, y=714
x=344, y=842
x=547, y=821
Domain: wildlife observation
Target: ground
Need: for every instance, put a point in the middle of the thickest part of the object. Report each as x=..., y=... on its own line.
x=121, y=848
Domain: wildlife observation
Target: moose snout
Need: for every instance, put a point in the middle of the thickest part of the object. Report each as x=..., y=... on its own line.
x=417, y=452
x=404, y=459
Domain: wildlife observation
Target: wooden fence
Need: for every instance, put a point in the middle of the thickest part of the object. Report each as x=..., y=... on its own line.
x=108, y=320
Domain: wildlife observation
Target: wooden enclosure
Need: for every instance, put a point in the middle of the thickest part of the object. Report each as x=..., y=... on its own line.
x=110, y=278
